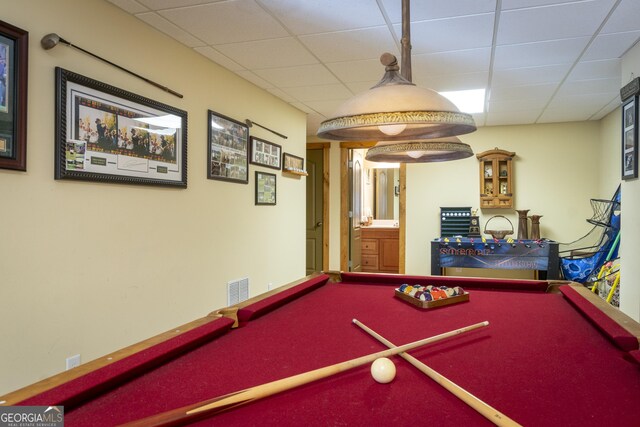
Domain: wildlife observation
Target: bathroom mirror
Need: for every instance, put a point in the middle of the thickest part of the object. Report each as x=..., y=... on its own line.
x=385, y=193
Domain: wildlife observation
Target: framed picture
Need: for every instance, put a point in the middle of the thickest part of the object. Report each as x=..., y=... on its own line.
x=630, y=138
x=265, y=188
x=14, y=54
x=291, y=163
x=265, y=153
x=107, y=134
x=228, y=149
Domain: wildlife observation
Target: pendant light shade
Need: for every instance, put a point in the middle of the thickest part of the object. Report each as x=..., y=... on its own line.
x=396, y=110
x=432, y=150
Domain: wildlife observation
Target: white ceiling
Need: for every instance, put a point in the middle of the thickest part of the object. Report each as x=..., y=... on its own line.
x=540, y=60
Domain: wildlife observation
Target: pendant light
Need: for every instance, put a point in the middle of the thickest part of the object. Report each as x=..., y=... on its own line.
x=397, y=111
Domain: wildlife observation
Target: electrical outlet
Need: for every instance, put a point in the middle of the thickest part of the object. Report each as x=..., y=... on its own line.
x=269, y=286
x=73, y=361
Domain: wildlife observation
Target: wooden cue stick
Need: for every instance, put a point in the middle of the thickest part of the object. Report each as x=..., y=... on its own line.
x=492, y=414
x=212, y=406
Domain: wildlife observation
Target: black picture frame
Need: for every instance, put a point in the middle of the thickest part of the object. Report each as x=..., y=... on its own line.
x=107, y=134
x=630, y=138
x=14, y=76
x=265, y=153
x=228, y=149
x=266, y=188
x=293, y=164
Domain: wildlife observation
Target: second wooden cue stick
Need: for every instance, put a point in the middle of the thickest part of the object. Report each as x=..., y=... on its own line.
x=490, y=413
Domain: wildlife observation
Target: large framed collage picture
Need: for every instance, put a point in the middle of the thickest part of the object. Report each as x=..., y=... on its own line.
x=228, y=149
x=107, y=134
x=14, y=53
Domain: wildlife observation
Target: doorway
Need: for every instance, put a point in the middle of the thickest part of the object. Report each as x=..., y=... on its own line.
x=347, y=248
x=317, y=202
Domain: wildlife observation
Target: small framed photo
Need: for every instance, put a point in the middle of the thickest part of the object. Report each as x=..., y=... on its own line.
x=265, y=153
x=265, y=188
x=630, y=138
x=107, y=134
x=14, y=53
x=228, y=149
x=291, y=163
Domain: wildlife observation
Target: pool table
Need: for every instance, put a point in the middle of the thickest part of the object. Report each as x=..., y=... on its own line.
x=552, y=354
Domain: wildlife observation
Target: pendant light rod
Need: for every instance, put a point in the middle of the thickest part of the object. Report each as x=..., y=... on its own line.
x=405, y=54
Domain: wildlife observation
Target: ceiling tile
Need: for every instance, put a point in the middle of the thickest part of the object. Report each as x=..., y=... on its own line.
x=461, y=61
x=270, y=53
x=302, y=107
x=218, y=58
x=359, y=87
x=131, y=6
x=509, y=105
x=250, y=76
x=172, y=4
x=312, y=53
x=587, y=103
x=308, y=17
x=358, y=71
x=503, y=93
x=450, y=82
x=169, y=29
x=367, y=43
x=282, y=95
x=319, y=93
x=624, y=18
x=297, y=76
x=607, y=68
x=434, y=9
x=531, y=75
x=440, y=35
x=226, y=22
x=577, y=87
x=326, y=108
x=560, y=21
x=551, y=52
x=558, y=115
x=518, y=4
x=609, y=46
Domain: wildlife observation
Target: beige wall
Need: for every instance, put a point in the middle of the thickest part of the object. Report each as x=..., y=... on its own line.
x=553, y=176
x=630, y=241
x=86, y=268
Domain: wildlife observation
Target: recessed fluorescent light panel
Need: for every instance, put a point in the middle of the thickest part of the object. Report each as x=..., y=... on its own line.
x=468, y=101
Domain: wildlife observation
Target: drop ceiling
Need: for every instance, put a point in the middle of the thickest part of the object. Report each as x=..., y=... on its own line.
x=540, y=61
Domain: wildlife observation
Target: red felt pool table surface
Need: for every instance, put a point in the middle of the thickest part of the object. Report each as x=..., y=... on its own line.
x=540, y=361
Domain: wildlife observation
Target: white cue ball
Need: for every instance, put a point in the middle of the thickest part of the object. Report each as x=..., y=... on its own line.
x=383, y=370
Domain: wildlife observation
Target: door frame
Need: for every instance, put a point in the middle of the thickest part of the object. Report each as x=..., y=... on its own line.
x=344, y=205
x=326, y=150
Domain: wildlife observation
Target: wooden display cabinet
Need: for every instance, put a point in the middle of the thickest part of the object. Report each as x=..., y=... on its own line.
x=496, y=179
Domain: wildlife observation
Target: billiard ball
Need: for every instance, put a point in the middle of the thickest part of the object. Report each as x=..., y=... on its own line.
x=383, y=370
